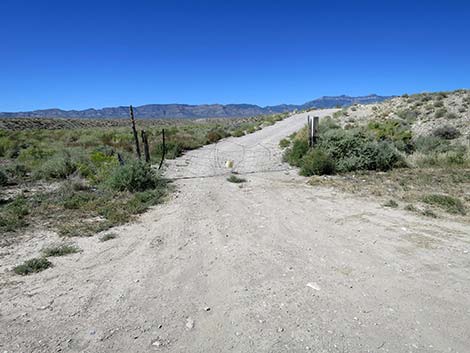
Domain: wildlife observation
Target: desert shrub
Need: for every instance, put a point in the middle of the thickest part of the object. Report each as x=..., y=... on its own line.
x=17, y=170
x=428, y=144
x=446, y=132
x=429, y=213
x=355, y=150
x=284, y=143
x=133, y=176
x=172, y=150
x=391, y=203
x=453, y=158
x=236, y=180
x=392, y=130
x=238, y=133
x=411, y=208
x=97, y=166
x=34, y=153
x=60, y=250
x=425, y=97
x=3, y=178
x=108, y=236
x=327, y=123
x=438, y=104
x=317, y=162
x=59, y=166
x=440, y=113
x=251, y=129
x=12, y=215
x=74, y=200
x=338, y=114
x=448, y=203
x=5, y=145
x=395, y=131
x=141, y=201
x=32, y=266
x=408, y=115
x=215, y=135
x=451, y=116
x=441, y=95
x=383, y=156
x=295, y=153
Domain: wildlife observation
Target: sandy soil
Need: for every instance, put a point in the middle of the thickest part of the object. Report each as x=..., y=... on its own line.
x=271, y=265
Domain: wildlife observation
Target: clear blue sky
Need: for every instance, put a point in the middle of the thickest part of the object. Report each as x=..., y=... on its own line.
x=82, y=53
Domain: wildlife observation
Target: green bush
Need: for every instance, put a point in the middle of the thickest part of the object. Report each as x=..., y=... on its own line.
x=428, y=144
x=60, y=250
x=391, y=203
x=74, y=200
x=12, y=215
x=59, y=166
x=446, y=132
x=32, y=266
x=295, y=153
x=172, y=150
x=215, y=135
x=327, y=123
x=133, y=176
x=236, y=180
x=17, y=170
x=284, y=143
x=392, y=130
x=354, y=150
x=408, y=115
x=451, y=116
x=440, y=113
x=448, y=203
x=238, y=133
x=317, y=162
x=3, y=178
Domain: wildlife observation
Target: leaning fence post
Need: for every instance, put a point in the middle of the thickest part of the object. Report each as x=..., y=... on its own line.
x=164, y=149
x=145, y=142
x=134, y=131
x=120, y=159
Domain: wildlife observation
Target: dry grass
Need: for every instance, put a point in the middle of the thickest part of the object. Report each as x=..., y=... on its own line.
x=415, y=188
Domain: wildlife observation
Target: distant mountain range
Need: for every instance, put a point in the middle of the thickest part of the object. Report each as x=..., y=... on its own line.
x=196, y=111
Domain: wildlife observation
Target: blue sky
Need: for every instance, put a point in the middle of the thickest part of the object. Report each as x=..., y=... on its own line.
x=81, y=53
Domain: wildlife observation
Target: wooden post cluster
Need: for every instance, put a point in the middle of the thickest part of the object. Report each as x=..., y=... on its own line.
x=145, y=142
x=134, y=131
x=312, y=130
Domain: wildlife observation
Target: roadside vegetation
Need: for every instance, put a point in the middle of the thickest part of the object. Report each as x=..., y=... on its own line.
x=32, y=266
x=236, y=180
x=78, y=182
x=418, y=161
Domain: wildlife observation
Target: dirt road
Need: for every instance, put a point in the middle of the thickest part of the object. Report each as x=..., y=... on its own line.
x=272, y=265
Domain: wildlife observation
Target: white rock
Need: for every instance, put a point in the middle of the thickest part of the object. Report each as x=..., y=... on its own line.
x=313, y=285
x=189, y=323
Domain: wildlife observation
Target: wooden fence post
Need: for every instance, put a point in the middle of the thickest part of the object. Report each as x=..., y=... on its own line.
x=312, y=130
x=164, y=149
x=309, y=130
x=120, y=159
x=315, y=123
x=136, y=137
x=145, y=142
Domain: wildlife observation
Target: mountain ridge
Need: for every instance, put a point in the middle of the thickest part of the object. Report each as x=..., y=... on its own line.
x=175, y=110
